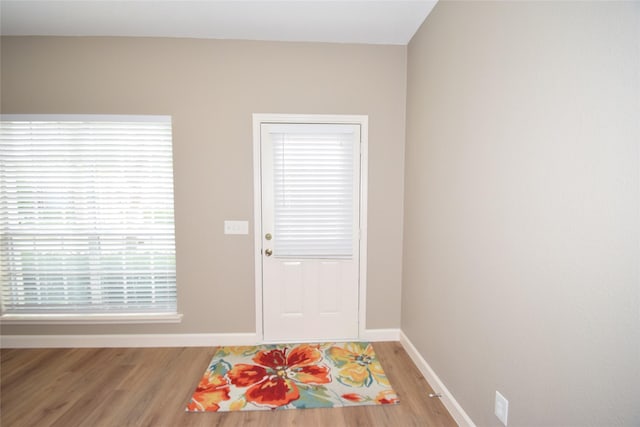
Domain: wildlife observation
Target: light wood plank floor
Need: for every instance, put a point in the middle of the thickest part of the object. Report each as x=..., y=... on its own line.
x=151, y=386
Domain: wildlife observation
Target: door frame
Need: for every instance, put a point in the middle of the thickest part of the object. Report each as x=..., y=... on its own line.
x=363, y=121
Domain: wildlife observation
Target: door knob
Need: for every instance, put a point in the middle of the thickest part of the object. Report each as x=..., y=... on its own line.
x=268, y=252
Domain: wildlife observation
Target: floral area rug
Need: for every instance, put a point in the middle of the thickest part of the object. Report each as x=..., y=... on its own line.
x=292, y=376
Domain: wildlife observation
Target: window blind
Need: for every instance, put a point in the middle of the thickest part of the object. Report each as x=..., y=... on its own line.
x=86, y=215
x=313, y=175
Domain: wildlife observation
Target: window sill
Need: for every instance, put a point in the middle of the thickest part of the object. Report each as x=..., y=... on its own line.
x=88, y=319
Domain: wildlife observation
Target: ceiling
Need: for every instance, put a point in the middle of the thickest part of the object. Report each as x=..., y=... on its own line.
x=336, y=21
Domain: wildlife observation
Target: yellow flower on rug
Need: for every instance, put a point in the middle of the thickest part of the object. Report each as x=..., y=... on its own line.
x=358, y=364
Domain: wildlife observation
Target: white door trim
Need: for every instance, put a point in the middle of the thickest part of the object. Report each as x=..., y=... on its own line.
x=363, y=121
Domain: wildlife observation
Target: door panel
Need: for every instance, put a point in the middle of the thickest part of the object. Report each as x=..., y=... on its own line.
x=292, y=292
x=310, y=222
x=329, y=278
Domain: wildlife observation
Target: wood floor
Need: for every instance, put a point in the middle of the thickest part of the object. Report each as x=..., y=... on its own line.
x=151, y=386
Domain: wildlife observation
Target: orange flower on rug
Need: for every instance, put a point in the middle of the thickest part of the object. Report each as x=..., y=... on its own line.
x=291, y=376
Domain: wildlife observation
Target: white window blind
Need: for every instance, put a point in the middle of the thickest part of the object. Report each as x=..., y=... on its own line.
x=313, y=175
x=86, y=215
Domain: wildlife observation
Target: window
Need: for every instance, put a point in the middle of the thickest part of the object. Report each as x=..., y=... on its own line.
x=86, y=217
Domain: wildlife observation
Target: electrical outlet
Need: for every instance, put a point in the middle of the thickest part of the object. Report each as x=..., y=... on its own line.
x=501, y=408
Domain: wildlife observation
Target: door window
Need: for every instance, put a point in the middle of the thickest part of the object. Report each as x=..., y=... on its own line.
x=313, y=190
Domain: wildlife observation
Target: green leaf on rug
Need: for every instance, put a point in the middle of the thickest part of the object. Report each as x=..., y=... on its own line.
x=220, y=367
x=313, y=397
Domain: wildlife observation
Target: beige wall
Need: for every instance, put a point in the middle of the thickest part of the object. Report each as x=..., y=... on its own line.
x=521, y=243
x=211, y=88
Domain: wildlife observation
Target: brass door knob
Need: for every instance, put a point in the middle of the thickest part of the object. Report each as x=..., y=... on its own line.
x=268, y=252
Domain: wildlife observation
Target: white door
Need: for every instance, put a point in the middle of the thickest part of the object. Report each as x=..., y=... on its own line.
x=310, y=187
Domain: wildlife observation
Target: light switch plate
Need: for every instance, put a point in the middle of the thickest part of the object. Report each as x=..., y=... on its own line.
x=501, y=408
x=236, y=227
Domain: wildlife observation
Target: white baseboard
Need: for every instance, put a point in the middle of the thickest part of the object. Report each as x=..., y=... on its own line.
x=380, y=335
x=158, y=340
x=133, y=340
x=454, y=408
